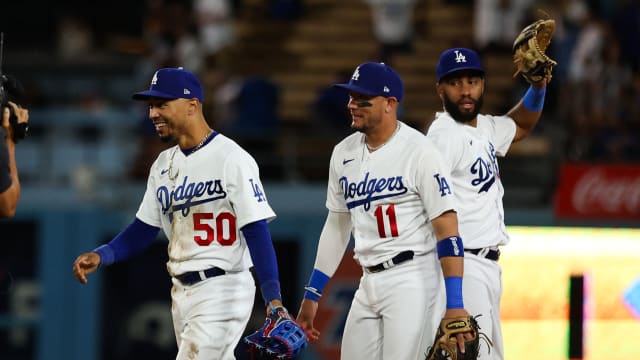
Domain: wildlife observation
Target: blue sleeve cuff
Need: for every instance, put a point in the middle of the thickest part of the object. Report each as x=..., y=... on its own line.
x=130, y=241
x=453, y=288
x=106, y=254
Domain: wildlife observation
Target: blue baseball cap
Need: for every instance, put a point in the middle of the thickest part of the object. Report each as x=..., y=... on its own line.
x=457, y=59
x=172, y=83
x=375, y=79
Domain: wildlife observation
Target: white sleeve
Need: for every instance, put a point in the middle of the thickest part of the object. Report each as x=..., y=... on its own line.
x=434, y=182
x=246, y=192
x=333, y=242
x=148, y=211
x=335, y=193
x=503, y=130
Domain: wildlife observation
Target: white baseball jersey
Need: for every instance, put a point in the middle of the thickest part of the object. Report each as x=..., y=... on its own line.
x=472, y=155
x=391, y=193
x=201, y=201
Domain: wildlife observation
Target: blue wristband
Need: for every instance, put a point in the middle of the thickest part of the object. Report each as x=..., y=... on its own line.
x=533, y=99
x=317, y=282
x=451, y=246
x=453, y=287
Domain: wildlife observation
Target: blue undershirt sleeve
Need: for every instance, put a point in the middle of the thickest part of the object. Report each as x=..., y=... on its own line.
x=264, y=260
x=132, y=240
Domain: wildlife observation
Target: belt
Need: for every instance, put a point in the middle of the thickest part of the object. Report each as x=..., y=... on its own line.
x=396, y=260
x=194, y=277
x=488, y=253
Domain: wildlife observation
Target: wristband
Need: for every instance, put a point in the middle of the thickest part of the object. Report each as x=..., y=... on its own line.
x=453, y=287
x=533, y=99
x=317, y=282
x=451, y=246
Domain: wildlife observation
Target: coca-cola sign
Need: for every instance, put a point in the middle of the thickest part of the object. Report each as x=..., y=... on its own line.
x=598, y=191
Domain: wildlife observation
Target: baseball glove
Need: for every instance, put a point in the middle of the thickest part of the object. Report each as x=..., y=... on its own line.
x=279, y=337
x=445, y=345
x=529, y=51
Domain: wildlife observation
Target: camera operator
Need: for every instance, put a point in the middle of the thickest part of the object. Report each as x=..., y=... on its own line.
x=9, y=182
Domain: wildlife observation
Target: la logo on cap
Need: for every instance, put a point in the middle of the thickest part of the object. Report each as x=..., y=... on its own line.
x=356, y=74
x=154, y=79
x=460, y=57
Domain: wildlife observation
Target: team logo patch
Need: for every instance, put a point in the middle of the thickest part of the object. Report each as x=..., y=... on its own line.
x=257, y=191
x=460, y=58
x=443, y=185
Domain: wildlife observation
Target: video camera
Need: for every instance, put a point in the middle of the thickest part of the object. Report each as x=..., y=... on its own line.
x=11, y=90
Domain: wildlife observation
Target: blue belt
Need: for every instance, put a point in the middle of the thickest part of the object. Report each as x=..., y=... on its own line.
x=194, y=277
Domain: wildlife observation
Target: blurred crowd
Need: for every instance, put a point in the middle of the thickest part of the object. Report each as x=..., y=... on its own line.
x=593, y=100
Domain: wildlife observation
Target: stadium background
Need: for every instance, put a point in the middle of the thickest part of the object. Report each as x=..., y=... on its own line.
x=84, y=163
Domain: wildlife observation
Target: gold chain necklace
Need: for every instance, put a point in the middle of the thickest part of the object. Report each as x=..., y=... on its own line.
x=173, y=176
x=201, y=143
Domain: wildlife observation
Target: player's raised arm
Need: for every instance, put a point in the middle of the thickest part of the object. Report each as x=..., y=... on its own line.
x=527, y=112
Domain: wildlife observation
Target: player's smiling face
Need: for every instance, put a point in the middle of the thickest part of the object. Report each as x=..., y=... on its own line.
x=166, y=117
x=366, y=111
x=462, y=95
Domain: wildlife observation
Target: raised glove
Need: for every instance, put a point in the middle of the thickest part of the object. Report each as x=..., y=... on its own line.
x=445, y=345
x=279, y=337
x=529, y=50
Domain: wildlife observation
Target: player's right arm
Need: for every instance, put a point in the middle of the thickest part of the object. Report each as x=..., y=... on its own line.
x=331, y=247
x=130, y=241
x=9, y=181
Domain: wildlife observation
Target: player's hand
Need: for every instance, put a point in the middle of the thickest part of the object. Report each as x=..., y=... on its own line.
x=462, y=337
x=273, y=304
x=307, y=313
x=21, y=114
x=84, y=265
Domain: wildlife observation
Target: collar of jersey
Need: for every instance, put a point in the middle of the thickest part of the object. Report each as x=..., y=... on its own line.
x=192, y=150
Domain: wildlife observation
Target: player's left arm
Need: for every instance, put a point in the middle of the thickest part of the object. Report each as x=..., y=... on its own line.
x=451, y=254
x=528, y=110
x=264, y=260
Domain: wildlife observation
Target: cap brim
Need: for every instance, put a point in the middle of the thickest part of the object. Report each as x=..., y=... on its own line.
x=481, y=71
x=356, y=89
x=147, y=94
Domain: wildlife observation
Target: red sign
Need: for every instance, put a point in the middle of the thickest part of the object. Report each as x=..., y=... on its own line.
x=598, y=192
x=334, y=306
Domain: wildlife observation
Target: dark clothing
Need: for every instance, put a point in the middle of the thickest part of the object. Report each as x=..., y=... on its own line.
x=5, y=172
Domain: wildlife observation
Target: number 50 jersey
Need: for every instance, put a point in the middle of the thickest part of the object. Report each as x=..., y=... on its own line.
x=202, y=200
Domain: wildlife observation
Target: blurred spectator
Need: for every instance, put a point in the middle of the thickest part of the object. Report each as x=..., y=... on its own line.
x=285, y=9
x=626, y=24
x=393, y=26
x=329, y=110
x=215, y=24
x=75, y=37
x=496, y=23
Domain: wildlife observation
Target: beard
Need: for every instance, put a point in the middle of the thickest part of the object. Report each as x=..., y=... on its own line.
x=462, y=117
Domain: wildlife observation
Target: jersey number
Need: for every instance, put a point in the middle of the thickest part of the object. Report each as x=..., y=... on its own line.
x=224, y=231
x=391, y=215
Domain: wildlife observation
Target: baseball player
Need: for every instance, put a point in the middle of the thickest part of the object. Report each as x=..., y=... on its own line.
x=206, y=195
x=388, y=187
x=471, y=143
